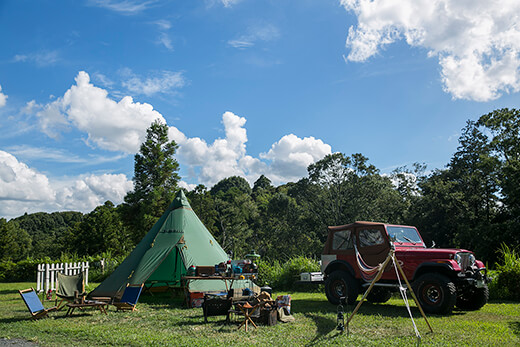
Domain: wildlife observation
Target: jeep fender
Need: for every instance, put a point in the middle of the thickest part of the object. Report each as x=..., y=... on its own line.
x=340, y=265
x=442, y=268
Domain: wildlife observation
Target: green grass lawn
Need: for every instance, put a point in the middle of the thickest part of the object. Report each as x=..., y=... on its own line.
x=162, y=320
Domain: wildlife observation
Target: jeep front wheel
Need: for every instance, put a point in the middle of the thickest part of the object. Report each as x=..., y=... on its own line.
x=473, y=299
x=340, y=284
x=436, y=293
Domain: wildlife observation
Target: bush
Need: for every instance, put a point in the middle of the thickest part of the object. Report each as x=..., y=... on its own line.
x=506, y=282
x=284, y=276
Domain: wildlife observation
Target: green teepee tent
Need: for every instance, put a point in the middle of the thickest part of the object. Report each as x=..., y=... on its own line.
x=177, y=241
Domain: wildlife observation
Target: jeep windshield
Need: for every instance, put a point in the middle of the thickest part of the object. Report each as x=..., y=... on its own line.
x=404, y=235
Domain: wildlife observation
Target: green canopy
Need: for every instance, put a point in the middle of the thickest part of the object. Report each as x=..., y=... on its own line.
x=177, y=241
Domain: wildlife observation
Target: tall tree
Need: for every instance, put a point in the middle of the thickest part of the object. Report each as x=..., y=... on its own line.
x=226, y=184
x=155, y=181
x=100, y=231
x=15, y=242
x=236, y=215
x=504, y=125
x=203, y=205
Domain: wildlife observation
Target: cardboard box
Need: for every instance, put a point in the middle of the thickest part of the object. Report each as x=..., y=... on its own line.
x=205, y=270
x=196, y=299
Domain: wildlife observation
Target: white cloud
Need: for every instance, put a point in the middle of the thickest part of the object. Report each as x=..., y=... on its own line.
x=291, y=156
x=163, y=24
x=125, y=7
x=264, y=32
x=23, y=189
x=476, y=42
x=3, y=98
x=164, y=39
x=209, y=163
x=230, y=3
x=115, y=126
x=165, y=82
x=58, y=155
x=42, y=58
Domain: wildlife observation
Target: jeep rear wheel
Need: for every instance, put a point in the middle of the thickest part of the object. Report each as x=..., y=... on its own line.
x=473, y=299
x=340, y=284
x=436, y=293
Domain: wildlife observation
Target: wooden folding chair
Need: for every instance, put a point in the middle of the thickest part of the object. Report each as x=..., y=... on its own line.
x=33, y=303
x=130, y=297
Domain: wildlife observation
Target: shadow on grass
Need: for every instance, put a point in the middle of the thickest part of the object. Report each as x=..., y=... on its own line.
x=386, y=310
x=14, y=319
x=324, y=327
x=515, y=327
x=12, y=291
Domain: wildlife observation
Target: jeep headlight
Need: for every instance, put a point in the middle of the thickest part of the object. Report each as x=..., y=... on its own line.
x=465, y=260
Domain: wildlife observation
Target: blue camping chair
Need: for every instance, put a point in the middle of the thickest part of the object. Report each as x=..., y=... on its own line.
x=33, y=303
x=130, y=296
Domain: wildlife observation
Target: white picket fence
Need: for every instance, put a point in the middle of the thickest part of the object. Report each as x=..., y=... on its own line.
x=47, y=273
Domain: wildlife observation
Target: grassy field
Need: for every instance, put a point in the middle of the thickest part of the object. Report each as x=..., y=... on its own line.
x=162, y=320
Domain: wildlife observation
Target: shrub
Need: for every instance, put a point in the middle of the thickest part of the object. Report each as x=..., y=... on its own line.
x=284, y=276
x=506, y=283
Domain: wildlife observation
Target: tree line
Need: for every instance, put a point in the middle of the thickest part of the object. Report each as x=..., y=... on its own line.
x=473, y=202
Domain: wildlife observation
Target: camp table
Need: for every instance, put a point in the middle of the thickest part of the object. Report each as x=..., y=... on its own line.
x=87, y=303
x=186, y=280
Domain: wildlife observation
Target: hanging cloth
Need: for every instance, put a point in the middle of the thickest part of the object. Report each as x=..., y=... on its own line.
x=367, y=272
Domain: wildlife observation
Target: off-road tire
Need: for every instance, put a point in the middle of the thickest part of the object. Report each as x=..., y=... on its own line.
x=379, y=295
x=436, y=293
x=341, y=283
x=473, y=299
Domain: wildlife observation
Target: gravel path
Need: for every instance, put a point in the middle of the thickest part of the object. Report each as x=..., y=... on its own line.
x=16, y=343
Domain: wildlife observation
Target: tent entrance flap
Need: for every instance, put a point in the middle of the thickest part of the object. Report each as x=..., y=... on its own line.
x=169, y=272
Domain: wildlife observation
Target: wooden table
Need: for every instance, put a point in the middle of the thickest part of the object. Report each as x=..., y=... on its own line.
x=99, y=304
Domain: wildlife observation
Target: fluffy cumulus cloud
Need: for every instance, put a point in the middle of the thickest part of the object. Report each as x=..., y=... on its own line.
x=287, y=160
x=115, y=126
x=476, y=42
x=3, y=98
x=223, y=158
x=291, y=156
x=23, y=189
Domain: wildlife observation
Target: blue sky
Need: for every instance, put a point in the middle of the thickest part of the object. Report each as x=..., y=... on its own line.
x=246, y=87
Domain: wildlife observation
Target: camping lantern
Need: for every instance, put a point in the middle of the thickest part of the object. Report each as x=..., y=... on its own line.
x=340, y=319
x=253, y=255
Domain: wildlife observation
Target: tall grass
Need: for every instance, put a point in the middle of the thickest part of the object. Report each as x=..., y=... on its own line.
x=506, y=284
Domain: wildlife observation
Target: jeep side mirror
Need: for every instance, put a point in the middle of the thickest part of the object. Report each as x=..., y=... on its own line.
x=433, y=244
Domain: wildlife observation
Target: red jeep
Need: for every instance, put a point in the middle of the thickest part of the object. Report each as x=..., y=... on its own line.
x=440, y=278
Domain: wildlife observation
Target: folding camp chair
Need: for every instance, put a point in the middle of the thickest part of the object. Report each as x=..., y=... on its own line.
x=70, y=288
x=130, y=296
x=34, y=304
